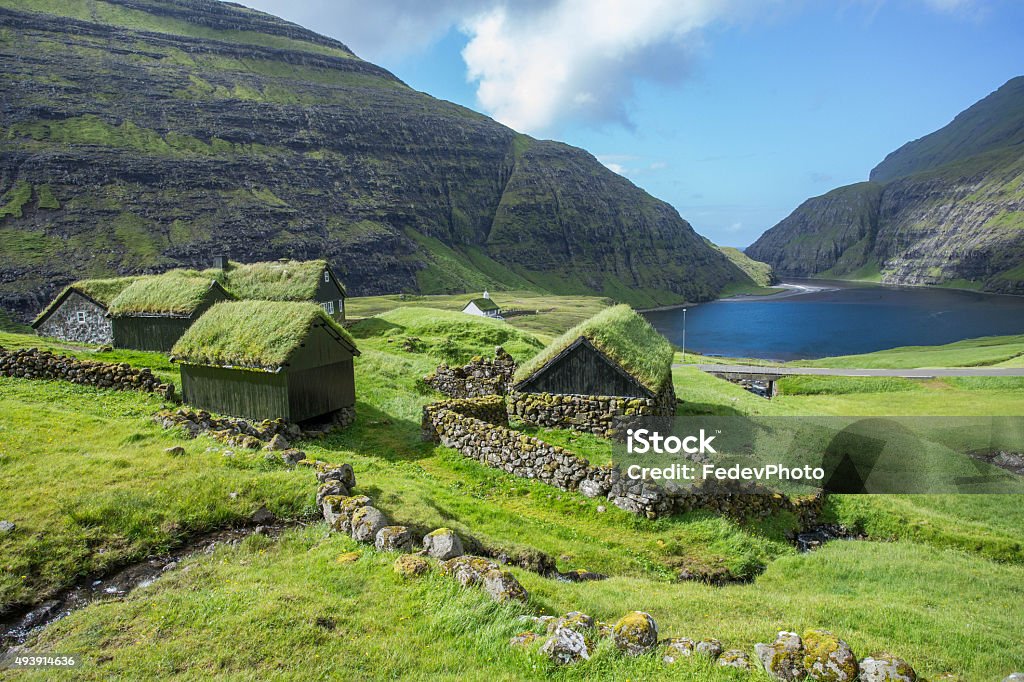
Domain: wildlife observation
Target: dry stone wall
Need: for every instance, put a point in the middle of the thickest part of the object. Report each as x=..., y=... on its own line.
x=480, y=377
x=606, y=416
x=478, y=428
x=33, y=363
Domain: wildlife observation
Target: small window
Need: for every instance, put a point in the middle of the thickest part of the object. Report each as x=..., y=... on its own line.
x=80, y=316
x=341, y=305
x=328, y=306
x=327, y=276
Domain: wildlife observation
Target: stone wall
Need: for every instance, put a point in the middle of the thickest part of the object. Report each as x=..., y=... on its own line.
x=64, y=323
x=478, y=428
x=606, y=416
x=34, y=363
x=272, y=434
x=480, y=377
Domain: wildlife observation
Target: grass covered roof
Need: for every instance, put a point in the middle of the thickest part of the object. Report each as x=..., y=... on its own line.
x=625, y=337
x=252, y=334
x=290, y=280
x=102, y=291
x=176, y=292
x=484, y=304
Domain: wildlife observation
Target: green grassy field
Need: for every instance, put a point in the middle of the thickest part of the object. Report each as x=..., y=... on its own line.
x=548, y=316
x=998, y=351
x=87, y=481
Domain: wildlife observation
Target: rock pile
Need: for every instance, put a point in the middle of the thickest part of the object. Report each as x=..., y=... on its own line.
x=33, y=363
x=480, y=377
x=819, y=656
x=822, y=656
x=356, y=516
x=271, y=434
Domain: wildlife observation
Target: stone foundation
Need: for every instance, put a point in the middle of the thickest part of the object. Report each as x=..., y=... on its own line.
x=34, y=363
x=606, y=416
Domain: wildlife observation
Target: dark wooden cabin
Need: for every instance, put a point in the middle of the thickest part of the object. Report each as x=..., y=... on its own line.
x=583, y=369
x=615, y=353
x=267, y=360
x=154, y=312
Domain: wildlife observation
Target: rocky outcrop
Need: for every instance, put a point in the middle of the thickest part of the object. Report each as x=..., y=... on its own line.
x=129, y=151
x=945, y=209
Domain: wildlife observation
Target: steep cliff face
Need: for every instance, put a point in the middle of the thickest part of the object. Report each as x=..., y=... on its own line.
x=139, y=135
x=947, y=209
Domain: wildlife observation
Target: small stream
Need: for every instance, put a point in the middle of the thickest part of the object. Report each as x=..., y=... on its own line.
x=814, y=537
x=20, y=624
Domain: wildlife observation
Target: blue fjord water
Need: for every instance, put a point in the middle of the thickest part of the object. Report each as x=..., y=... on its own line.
x=823, y=318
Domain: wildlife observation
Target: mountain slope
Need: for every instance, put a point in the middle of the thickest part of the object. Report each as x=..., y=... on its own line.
x=947, y=209
x=139, y=135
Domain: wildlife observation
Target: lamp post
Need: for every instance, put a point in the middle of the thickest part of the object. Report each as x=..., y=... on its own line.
x=684, y=336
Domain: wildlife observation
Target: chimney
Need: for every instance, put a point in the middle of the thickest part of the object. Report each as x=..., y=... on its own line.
x=220, y=262
x=487, y=294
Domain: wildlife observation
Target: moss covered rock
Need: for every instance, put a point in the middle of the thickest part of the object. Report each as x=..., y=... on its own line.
x=330, y=489
x=635, y=633
x=676, y=648
x=784, y=658
x=342, y=473
x=503, y=587
x=734, y=658
x=711, y=648
x=574, y=620
x=443, y=544
x=410, y=566
x=828, y=658
x=468, y=570
x=338, y=511
x=394, y=539
x=566, y=646
x=524, y=639
x=366, y=523
x=886, y=668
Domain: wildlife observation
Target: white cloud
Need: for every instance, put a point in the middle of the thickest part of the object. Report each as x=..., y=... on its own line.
x=630, y=165
x=382, y=29
x=579, y=58
x=614, y=167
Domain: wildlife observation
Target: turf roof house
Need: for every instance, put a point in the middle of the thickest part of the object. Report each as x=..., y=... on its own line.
x=153, y=312
x=287, y=280
x=483, y=307
x=79, y=312
x=597, y=376
x=268, y=360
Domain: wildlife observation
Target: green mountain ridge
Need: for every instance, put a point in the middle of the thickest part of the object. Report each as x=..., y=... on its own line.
x=946, y=209
x=141, y=135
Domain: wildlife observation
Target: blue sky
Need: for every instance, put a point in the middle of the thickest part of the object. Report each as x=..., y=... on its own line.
x=733, y=111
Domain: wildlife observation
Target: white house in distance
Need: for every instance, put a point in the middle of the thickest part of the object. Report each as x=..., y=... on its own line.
x=483, y=307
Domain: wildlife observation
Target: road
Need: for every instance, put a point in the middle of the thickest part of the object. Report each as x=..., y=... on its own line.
x=923, y=373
